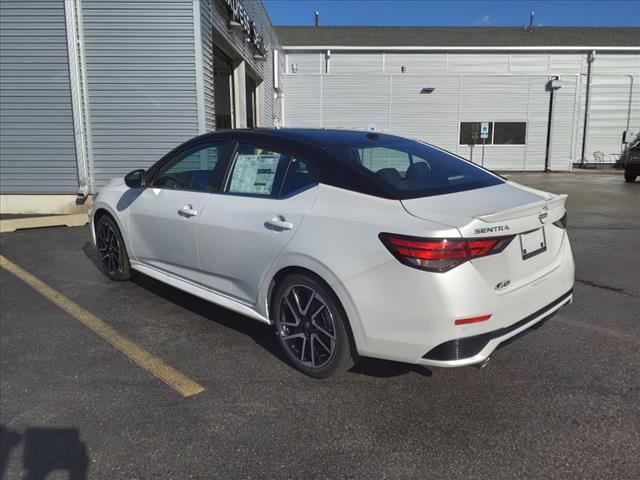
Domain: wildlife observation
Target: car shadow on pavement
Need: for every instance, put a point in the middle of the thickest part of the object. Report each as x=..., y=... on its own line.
x=46, y=450
x=261, y=333
x=374, y=367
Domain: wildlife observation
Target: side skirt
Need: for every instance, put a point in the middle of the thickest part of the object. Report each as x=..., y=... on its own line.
x=199, y=291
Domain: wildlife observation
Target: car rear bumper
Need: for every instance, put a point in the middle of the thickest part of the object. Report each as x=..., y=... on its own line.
x=408, y=315
x=477, y=348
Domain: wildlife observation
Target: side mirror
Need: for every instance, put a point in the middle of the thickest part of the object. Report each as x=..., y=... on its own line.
x=135, y=179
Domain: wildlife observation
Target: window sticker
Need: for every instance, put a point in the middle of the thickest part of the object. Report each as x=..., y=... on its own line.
x=254, y=174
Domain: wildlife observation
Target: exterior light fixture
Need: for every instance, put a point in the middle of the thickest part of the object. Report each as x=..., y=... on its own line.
x=294, y=67
x=403, y=69
x=426, y=91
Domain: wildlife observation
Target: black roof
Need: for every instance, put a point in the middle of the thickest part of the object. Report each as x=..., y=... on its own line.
x=459, y=36
x=327, y=152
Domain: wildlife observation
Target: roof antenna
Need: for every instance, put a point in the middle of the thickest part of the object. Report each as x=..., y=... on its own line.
x=530, y=26
x=317, y=18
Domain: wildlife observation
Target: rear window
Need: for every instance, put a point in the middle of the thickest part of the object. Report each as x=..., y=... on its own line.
x=412, y=169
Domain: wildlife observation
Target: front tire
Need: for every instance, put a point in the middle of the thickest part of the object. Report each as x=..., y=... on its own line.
x=629, y=176
x=112, y=254
x=312, y=327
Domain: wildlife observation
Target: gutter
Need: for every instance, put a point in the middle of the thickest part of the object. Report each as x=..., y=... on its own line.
x=468, y=49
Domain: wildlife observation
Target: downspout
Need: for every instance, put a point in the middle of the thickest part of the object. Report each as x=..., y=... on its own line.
x=630, y=100
x=587, y=107
x=79, y=101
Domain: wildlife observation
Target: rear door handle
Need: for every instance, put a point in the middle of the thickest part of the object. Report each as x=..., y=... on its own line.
x=278, y=223
x=187, y=211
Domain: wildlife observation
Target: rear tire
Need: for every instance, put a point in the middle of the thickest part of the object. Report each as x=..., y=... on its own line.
x=629, y=177
x=112, y=254
x=312, y=327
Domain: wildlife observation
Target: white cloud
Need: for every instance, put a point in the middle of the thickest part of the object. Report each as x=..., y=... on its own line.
x=485, y=20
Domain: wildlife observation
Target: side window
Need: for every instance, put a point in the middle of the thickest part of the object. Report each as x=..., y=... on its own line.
x=195, y=169
x=298, y=176
x=256, y=171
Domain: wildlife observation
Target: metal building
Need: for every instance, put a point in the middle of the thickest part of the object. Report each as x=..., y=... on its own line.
x=91, y=89
x=441, y=84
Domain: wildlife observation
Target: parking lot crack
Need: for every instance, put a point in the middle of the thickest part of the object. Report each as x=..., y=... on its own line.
x=605, y=287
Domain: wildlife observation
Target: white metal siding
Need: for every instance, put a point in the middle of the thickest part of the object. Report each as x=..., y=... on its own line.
x=305, y=63
x=612, y=102
x=355, y=102
x=478, y=63
x=564, y=123
x=528, y=63
x=495, y=99
x=415, y=63
x=37, y=144
x=567, y=63
x=610, y=96
x=344, y=63
x=141, y=81
x=481, y=86
x=429, y=117
x=302, y=101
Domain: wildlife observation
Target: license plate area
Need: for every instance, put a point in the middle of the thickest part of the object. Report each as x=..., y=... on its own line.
x=532, y=243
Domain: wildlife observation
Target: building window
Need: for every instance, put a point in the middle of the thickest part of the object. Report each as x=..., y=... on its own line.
x=509, y=133
x=500, y=133
x=470, y=133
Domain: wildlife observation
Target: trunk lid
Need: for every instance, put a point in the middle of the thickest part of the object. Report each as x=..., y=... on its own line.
x=508, y=209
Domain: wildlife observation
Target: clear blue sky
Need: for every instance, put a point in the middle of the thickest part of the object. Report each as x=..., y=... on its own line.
x=463, y=13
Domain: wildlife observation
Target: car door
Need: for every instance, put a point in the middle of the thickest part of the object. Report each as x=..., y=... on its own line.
x=244, y=227
x=163, y=219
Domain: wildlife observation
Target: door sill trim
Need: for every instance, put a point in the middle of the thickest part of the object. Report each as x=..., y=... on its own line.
x=199, y=291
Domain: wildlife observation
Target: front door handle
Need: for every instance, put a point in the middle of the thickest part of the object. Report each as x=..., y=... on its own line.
x=187, y=211
x=278, y=223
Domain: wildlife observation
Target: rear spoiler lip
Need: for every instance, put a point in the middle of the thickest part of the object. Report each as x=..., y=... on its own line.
x=529, y=209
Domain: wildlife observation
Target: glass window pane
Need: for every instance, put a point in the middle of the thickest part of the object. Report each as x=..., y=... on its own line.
x=470, y=133
x=510, y=133
x=195, y=169
x=256, y=171
x=377, y=158
x=410, y=167
x=298, y=176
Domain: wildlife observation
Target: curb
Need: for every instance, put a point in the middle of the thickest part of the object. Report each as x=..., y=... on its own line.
x=75, y=220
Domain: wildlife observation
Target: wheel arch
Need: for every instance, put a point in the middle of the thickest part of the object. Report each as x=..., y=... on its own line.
x=100, y=211
x=334, y=287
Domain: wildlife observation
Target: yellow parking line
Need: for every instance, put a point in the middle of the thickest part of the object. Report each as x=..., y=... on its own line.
x=176, y=380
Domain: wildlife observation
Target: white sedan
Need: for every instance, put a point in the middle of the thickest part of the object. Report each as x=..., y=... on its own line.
x=349, y=243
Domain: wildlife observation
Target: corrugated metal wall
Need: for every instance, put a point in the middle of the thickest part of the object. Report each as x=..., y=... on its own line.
x=206, y=26
x=141, y=81
x=141, y=84
x=613, y=101
x=369, y=88
x=37, y=145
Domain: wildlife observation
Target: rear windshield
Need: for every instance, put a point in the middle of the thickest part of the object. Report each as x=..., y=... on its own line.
x=411, y=169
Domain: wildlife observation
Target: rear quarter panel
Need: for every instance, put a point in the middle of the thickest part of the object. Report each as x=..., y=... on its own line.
x=338, y=240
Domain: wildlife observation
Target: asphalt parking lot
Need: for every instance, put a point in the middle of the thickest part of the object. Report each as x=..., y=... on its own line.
x=564, y=402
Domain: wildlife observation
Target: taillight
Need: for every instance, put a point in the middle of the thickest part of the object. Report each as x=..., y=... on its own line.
x=441, y=254
x=562, y=223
